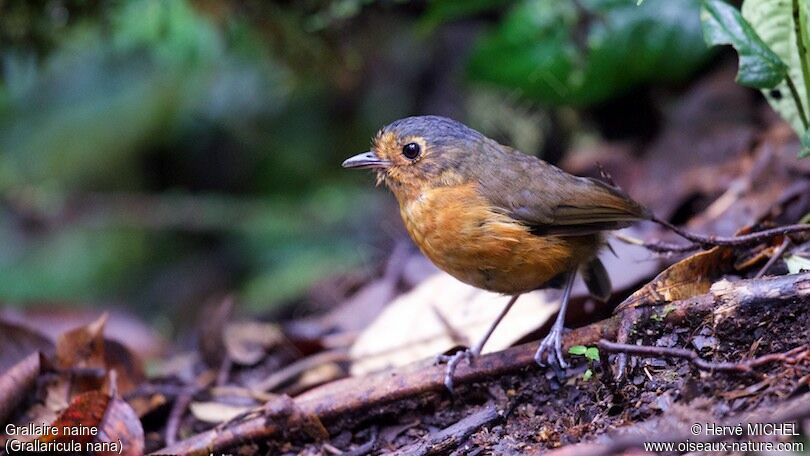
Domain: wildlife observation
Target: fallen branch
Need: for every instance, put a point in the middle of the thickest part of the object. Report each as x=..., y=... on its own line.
x=692, y=356
x=377, y=393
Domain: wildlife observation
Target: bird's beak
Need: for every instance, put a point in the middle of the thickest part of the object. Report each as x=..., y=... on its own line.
x=365, y=160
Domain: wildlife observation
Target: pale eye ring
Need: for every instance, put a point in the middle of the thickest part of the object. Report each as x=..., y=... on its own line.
x=411, y=150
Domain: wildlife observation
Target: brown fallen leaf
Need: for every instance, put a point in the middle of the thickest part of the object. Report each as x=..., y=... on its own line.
x=128, y=365
x=53, y=319
x=89, y=355
x=102, y=423
x=17, y=342
x=82, y=347
x=691, y=276
x=16, y=382
x=80, y=420
x=211, y=342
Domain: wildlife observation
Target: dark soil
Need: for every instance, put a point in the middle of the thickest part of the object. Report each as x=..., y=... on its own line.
x=539, y=411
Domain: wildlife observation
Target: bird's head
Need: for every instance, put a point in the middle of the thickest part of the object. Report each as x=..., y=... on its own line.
x=413, y=153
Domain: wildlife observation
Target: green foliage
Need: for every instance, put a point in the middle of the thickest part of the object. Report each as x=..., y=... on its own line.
x=760, y=67
x=73, y=264
x=440, y=11
x=552, y=52
x=773, y=22
x=771, y=39
x=590, y=353
x=81, y=119
x=137, y=81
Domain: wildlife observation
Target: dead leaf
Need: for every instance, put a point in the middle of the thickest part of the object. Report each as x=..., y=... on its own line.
x=691, y=276
x=797, y=264
x=217, y=412
x=82, y=347
x=80, y=418
x=53, y=319
x=102, y=423
x=420, y=324
x=211, y=342
x=17, y=342
x=119, y=358
x=122, y=425
x=248, y=342
x=16, y=382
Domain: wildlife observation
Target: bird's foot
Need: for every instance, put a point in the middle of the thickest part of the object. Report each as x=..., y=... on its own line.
x=452, y=363
x=550, y=350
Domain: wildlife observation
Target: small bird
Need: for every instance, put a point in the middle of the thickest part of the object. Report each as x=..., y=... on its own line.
x=496, y=218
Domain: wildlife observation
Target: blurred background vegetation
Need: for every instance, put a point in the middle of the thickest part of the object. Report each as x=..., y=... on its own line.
x=159, y=153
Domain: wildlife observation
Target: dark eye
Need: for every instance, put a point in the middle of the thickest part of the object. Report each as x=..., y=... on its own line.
x=411, y=150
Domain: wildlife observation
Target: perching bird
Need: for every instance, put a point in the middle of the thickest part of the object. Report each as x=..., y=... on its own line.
x=496, y=218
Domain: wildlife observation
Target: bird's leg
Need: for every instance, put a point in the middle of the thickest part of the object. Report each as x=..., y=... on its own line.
x=551, y=346
x=471, y=353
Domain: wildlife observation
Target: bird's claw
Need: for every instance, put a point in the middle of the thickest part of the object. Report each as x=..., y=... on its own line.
x=452, y=363
x=551, y=349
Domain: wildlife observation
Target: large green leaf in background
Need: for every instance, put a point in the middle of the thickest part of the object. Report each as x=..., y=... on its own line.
x=552, y=52
x=773, y=22
x=759, y=66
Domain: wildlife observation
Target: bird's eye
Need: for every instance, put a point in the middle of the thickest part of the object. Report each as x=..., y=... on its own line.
x=411, y=150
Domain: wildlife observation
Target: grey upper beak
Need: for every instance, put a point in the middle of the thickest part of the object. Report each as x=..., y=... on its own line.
x=365, y=160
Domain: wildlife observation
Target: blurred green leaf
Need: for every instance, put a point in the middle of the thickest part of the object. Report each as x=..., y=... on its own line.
x=552, y=52
x=440, y=11
x=759, y=66
x=71, y=264
x=81, y=119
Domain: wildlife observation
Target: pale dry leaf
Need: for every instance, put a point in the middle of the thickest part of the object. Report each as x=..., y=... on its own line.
x=247, y=342
x=420, y=324
x=797, y=264
x=217, y=412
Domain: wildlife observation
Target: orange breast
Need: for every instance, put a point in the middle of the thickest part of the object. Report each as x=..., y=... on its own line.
x=462, y=235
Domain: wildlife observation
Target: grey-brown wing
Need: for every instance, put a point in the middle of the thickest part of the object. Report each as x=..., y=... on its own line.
x=552, y=201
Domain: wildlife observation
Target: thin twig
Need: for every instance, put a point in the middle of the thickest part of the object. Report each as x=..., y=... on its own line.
x=700, y=363
x=745, y=239
x=299, y=367
x=179, y=408
x=658, y=246
x=774, y=257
